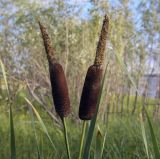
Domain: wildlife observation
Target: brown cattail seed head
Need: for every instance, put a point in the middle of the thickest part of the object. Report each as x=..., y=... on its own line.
x=90, y=93
x=57, y=77
x=92, y=82
x=102, y=42
x=59, y=90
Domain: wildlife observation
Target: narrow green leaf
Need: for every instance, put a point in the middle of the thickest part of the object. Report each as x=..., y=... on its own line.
x=103, y=145
x=4, y=76
x=144, y=136
x=153, y=137
x=12, y=136
x=35, y=133
x=99, y=145
x=41, y=122
x=123, y=66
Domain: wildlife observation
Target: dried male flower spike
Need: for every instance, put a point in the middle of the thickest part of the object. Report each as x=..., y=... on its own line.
x=57, y=77
x=91, y=88
x=102, y=42
x=47, y=44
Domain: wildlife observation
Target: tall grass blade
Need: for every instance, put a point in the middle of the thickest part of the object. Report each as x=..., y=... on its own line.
x=4, y=76
x=153, y=137
x=12, y=136
x=12, y=133
x=123, y=66
x=35, y=134
x=144, y=136
x=93, y=122
x=41, y=122
x=103, y=144
x=99, y=145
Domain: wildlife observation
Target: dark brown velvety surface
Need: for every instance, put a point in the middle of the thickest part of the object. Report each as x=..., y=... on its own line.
x=59, y=90
x=90, y=93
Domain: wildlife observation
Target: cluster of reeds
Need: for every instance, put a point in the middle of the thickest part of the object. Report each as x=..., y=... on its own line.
x=88, y=105
x=91, y=88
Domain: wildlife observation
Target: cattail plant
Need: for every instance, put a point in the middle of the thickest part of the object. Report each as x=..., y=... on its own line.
x=93, y=78
x=59, y=84
x=91, y=88
x=57, y=77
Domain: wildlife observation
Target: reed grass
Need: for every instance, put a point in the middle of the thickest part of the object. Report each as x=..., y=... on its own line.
x=12, y=132
x=153, y=137
x=41, y=122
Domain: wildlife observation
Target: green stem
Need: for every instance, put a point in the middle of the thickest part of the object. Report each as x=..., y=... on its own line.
x=82, y=139
x=66, y=138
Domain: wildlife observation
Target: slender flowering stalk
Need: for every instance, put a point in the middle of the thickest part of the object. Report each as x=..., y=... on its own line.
x=66, y=138
x=93, y=78
x=82, y=139
x=57, y=77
